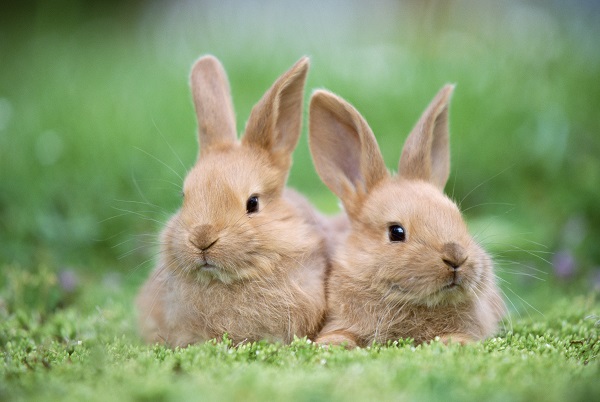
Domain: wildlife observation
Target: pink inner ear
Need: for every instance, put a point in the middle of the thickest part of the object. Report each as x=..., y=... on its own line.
x=275, y=121
x=440, y=150
x=345, y=151
x=426, y=152
x=289, y=115
x=335, y=146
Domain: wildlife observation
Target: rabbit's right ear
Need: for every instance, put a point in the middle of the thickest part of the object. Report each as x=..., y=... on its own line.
x=344, y=150
x=212, y=100
x=426, y=152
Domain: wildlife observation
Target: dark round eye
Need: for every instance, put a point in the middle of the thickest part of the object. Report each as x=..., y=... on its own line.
x=397, y=233
x=252, y=204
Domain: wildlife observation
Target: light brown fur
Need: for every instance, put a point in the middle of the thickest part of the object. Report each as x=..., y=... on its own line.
x=380, y=290
x=222, y=270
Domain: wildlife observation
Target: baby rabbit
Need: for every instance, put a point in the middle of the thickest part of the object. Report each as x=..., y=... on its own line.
x=243, y=255
x=407, y=266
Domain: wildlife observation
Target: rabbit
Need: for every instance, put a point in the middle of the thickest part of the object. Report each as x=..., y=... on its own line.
x=243, y=256
x=407, y=266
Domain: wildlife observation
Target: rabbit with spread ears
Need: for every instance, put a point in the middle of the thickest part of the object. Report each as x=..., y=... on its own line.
x=407, y=266
x=243, y=256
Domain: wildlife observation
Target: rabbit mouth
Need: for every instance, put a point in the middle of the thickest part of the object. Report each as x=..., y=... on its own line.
x=450, y=287
x=454, y=284
x=203, y=264
x=450, y=293
x=206, y=271
x=208, y=267
x=455, y=281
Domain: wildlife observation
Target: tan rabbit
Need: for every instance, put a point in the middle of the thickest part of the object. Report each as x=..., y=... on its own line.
x=243, y=255
x=407, y=267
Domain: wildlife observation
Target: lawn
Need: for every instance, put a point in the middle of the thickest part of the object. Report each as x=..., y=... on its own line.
x=97, y=128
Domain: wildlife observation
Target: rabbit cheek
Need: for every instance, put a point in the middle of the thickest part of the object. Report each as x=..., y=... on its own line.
x=412, y=286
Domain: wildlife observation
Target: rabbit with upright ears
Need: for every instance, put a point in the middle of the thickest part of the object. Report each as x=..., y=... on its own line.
x=244, y=256
x=407, y=266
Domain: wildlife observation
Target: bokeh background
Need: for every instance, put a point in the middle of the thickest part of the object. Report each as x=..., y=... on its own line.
x=97, y=126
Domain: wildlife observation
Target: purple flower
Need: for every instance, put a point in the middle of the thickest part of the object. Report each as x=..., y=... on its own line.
x=564, y=264
x=596, y=279
x=68, y=280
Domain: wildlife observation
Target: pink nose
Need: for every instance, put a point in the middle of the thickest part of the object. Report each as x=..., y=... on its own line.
x=453, y=255
x=203, y=237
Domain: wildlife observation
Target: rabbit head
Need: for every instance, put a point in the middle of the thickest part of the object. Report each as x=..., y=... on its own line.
x=233, y=218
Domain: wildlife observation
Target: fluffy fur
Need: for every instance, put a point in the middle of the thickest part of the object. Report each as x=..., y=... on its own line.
x=438, y=281
x=222, y=269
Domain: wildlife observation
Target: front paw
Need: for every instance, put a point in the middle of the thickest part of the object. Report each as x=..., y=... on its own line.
x=462, y=339
x=337, y=338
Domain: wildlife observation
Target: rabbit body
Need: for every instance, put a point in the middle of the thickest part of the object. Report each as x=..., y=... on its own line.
x=244, y=256
x=407, y=266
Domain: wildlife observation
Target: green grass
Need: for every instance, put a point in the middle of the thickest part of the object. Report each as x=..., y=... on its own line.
x=97, y=126
x=54, y=348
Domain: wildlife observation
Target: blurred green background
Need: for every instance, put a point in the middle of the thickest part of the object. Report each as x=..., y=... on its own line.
x=97, y=125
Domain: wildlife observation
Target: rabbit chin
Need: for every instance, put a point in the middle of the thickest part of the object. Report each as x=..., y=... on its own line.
x=205, y=272
x=450, y=294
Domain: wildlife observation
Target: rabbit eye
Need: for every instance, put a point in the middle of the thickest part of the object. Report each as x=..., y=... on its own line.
x=252, y=204
x=396, y=233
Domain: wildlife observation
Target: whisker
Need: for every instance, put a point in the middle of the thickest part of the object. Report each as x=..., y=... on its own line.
x=523, y=300
x=140, y=214
x=490, y=203
x=484, y=182
x=500, y=259
x=145, y=202
x=531, y=253
x=161, y=162
x=138, y=188
x=168, y=144
x=522, y=274
x=144, y=262
x=114, y=217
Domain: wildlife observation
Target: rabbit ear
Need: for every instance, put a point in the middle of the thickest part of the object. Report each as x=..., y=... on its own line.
x=212, y=100
x=426, y=152
x=275, y=122
x=344, y=149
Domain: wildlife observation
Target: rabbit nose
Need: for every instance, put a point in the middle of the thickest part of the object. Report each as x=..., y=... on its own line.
x=453, y=255
x=203, y=237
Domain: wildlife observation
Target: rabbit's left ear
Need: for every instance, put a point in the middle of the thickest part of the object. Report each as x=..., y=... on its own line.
x=344, y=150
x=212, y=100
x=426, y=152
x=275, y=122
